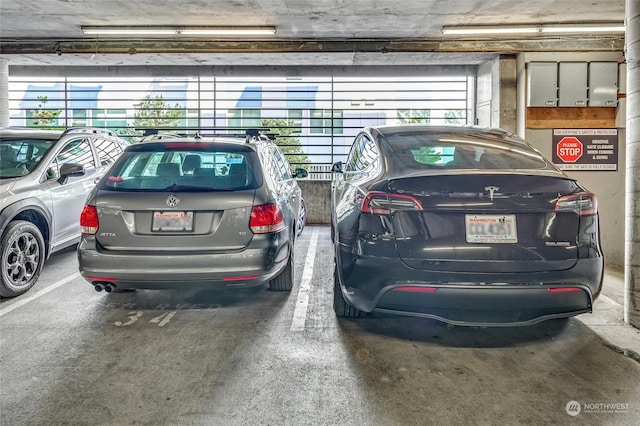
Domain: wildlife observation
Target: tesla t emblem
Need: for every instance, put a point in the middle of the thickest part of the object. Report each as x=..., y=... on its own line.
x=492, y=190
x=173, y=201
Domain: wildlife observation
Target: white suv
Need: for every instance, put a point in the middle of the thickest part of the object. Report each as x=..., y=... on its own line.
x=45, y=176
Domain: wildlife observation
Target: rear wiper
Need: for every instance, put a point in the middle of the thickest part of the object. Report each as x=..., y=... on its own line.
x=176, y=187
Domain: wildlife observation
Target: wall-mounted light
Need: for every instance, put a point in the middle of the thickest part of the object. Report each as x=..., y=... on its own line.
x=533, y=29
x=229, y=31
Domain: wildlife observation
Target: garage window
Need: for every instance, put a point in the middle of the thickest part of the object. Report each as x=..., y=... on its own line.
x=316, y=117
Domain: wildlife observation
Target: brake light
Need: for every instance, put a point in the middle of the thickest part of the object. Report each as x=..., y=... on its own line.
x=383, y=203
x=266, y=218
x=89, y=220
x=185, y=145
x=584, y=204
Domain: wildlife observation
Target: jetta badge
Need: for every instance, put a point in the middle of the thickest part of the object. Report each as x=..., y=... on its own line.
x=173, y=201
x=492, y=190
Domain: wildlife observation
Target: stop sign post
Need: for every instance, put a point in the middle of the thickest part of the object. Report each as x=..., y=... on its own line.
x=569, y=149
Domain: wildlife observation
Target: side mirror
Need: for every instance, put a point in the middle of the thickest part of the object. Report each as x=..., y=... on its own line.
x=70, y=169
x=337, y=167
x=300, y=173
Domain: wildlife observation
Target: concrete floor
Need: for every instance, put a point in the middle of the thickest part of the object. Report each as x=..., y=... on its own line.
x=69, y=355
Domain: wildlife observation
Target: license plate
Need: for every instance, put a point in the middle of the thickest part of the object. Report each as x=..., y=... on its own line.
x=491, y=228
x=172, y=221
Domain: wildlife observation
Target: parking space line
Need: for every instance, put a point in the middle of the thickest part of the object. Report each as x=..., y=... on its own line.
x=34, y=296
x=609, y=301
x=302, y=303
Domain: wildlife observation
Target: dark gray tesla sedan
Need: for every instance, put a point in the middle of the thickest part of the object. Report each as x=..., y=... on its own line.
x=464, y=225
x=196, y=211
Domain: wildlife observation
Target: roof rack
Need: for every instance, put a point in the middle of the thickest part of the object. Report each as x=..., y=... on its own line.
x=250, y=135
x=160, y=136
x=254, y=135
x=91, y=130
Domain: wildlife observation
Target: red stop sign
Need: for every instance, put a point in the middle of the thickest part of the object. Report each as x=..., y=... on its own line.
x=569, y=149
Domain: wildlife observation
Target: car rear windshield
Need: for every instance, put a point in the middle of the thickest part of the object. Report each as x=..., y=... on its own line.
x=184, y=167
x=454, y=151
x=20, y=156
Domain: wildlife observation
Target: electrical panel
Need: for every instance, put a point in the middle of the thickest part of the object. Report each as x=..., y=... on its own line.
x=573, y=84
x=603, y=84
x=542, y=84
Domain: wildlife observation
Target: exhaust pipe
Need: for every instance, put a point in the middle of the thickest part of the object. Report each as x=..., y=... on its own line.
x=109, y=287
x=99, y=287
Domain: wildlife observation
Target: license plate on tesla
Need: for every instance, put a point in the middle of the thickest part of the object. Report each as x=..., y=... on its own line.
x=491, y=228
x=172, y=221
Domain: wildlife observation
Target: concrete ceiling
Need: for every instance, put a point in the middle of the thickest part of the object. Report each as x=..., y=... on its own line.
x=309, y=32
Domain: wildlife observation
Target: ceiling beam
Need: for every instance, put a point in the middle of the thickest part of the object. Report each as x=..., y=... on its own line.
x=555, y=44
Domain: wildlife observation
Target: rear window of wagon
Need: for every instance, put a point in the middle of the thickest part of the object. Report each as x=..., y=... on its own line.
x=175, y=167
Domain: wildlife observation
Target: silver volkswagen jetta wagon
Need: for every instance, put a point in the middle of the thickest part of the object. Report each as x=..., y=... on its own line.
x=193, y=211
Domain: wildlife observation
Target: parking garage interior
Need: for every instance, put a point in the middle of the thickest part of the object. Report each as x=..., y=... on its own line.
x=69, y=355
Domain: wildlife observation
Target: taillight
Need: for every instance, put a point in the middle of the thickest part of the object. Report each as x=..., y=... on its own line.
x=266, y=218
x=583, y=204
x=89, y=220
x=383, y=203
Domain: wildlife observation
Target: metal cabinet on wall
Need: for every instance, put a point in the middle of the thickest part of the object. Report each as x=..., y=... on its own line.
x=603, y=84
x=542, y=84
x=573, y=84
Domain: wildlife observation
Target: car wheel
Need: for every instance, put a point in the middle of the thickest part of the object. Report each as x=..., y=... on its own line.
x=302, y=218
x=22, y=258
x=341, y=307
x=284, y=280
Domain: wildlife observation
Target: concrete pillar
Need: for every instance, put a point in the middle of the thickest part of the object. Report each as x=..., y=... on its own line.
x=505, y=88
x=4, y=92
x=632, y=219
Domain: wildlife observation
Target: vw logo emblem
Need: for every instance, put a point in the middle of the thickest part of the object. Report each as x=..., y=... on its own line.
x=173, y=201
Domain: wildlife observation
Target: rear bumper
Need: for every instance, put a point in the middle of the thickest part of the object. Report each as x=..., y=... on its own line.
x=486, y=306
x=484, y=299
x=260, y=262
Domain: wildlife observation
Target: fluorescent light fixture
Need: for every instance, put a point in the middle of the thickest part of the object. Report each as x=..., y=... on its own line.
x=127, y=31
x=489, y=30
x=584, y=29
x=533, y=29
x=228, y=31
x=179, y=31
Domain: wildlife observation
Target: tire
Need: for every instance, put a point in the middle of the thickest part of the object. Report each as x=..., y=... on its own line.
x=284, y=280
x=22, y=258
x=341, y=307
x=302, y=218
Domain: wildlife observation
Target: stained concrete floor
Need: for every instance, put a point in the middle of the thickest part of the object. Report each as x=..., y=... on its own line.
x=69, y=355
